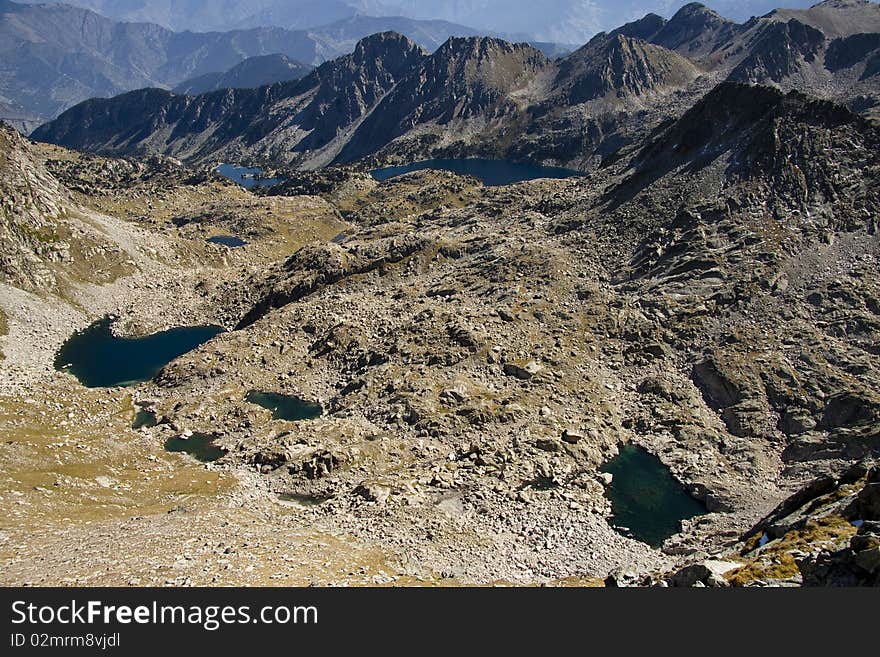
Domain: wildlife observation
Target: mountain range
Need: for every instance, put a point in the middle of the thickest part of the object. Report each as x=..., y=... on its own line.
x=565, y=21
x=488, y=97
x=54, y=56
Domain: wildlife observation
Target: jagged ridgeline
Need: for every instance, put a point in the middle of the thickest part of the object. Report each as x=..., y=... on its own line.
x=480, y=96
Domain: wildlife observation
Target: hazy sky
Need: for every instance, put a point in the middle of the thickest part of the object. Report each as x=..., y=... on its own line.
x=564, y=20
x=568, y=21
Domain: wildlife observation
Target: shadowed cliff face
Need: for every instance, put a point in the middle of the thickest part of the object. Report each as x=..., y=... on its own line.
x=779, y=51
x=313, y=111
x=351, y=87
x=465, y=79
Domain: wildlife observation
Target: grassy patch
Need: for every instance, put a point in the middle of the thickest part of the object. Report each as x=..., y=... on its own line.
x=776, y=561
x=68, y=456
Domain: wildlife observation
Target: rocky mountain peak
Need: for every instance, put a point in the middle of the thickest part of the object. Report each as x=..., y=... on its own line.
x=465, y=78
x=385, y=46
x=622, y=65
x=644, y=28
x=693, y=27
x=697, y=13
x=481, y=49
x=483, y=62
x=779, y=51
x=377, y=60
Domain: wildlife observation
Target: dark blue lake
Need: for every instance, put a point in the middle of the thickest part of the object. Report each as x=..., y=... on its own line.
x=647, y=503
x=101, y=360
x=491, y=172
x=245, y=176
x=231, y=241
x=285, y=407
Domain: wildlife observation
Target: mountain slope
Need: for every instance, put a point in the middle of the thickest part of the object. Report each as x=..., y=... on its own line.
x=792, y=145
x=46, y=242
x=464, y=80
x=277, y=121
x=51, y=66
x=220, y=15
x=694, y=31
x=779, y=52
x=798, y=49
x=251, y=73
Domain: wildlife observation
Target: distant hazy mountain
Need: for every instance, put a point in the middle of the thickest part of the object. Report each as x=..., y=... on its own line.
x=46, y=66
x=296, y=14
x=194, y=15
x=560, y=21
x=252, y=72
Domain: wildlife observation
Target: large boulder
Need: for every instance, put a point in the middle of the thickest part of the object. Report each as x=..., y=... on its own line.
x=707, y=573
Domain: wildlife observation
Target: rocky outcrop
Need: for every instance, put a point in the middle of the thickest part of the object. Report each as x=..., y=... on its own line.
x=45, y=241
x=319, y=265
x=779, y=52
x=826, y=534
x=785, y=140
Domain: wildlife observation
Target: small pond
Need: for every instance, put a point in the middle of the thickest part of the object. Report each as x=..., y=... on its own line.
x=230, y=241
x=647, y=503
x=492, y=173
x=200, y=446
x=247, y=177
x=144, y=419
x=285, y=407
x=99, y=359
